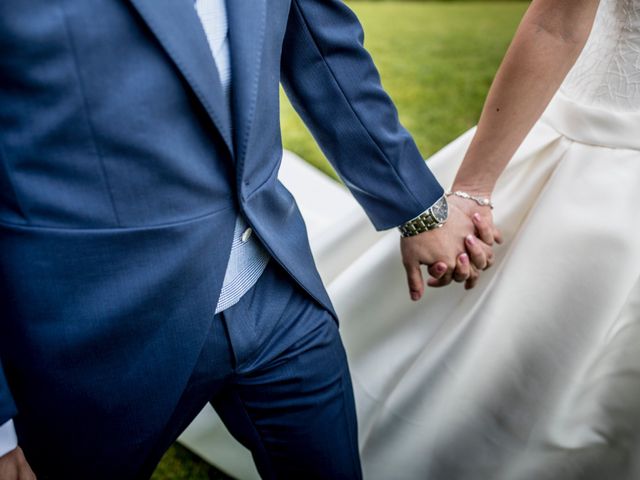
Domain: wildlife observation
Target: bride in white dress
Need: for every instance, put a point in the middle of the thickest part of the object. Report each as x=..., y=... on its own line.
x=535, y=373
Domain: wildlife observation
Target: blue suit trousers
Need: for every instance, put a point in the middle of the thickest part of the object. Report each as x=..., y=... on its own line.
x=275, y=370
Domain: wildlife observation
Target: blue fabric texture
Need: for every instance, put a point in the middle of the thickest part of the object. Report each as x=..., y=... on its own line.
x=122, y=172
x=275, y=370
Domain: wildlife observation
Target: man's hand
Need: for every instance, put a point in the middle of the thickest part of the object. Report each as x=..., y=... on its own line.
x=14, y=466
x=452, y=252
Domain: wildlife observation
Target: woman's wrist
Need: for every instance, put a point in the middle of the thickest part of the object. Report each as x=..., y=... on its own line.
x=475, y=189
x=480, y=200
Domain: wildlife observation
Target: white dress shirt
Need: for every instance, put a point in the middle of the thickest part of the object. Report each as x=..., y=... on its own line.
x=248, y=257
x=8, y=438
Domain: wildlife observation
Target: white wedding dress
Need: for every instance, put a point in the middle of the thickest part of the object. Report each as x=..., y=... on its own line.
x=535, y=374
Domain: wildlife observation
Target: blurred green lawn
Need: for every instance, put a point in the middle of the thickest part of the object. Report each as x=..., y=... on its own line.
x=437, y=61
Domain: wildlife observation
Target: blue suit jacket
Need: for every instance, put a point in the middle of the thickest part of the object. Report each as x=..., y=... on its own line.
x=121, y=174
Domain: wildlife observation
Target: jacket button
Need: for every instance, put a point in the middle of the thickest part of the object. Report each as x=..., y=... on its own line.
x=246, y=235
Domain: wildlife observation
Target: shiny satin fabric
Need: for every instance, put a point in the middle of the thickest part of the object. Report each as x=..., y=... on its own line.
x=536, y=373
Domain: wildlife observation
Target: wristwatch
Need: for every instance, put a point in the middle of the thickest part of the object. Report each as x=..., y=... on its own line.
x=434, y=217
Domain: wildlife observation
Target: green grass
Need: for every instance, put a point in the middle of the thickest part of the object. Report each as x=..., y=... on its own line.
x=437, y=61
x=180, y=464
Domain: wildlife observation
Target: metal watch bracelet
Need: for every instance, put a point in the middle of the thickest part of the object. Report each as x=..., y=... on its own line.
x=432, y=218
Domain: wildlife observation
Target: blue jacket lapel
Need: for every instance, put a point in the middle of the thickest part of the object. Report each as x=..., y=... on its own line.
x=247, y=23
x=176, y=25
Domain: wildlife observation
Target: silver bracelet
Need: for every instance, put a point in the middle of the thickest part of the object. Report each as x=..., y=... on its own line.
x=482, y=201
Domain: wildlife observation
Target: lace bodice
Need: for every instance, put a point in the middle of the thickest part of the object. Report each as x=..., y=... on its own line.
x=607, y=74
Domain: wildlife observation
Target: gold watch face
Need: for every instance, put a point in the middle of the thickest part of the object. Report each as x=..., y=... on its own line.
x=440, y=210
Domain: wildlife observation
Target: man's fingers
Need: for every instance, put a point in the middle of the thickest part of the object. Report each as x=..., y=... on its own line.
x=25, y=469
x=491, y=258
x=442, y=282
x=433, y=283
x=415, y=281
x=26, y=473
x=463, y=268
x=472, y=280
x=14, y=466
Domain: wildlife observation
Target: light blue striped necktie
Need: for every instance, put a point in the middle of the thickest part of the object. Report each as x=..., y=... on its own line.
x=248, y=257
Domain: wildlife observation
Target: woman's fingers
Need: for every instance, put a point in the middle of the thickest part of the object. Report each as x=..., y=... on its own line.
x=438, y=270
x=484, y=228
x=441, y=274
x=463, y=268
x=476, y=251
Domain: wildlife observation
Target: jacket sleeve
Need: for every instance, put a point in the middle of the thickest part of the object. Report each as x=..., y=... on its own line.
x=334, y=86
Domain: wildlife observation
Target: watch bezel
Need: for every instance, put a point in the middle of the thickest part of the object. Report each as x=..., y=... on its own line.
x=435, y=208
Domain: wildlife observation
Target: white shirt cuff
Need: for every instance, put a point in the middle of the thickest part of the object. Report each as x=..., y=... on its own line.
x=8, y=438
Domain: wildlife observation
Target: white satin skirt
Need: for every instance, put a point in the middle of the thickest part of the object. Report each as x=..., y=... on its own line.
x=534, y=374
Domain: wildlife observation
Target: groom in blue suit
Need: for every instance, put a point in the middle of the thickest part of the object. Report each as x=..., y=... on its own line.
x=150, y=260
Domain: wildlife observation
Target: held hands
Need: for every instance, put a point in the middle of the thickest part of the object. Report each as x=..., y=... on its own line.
x=14, y=466
x=456, y=252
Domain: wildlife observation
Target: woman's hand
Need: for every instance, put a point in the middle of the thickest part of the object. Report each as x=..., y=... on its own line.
x=466, y=271
x=482, y=216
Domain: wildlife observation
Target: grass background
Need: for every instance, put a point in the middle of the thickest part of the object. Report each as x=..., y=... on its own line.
x=436, y=60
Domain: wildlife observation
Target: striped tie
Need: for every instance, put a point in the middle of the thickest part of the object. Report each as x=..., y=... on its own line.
x=248, y=257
